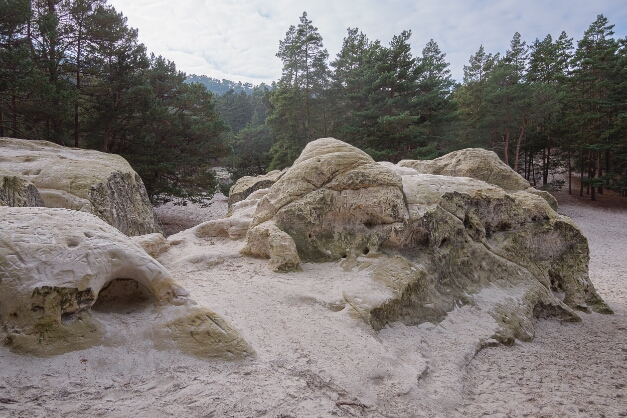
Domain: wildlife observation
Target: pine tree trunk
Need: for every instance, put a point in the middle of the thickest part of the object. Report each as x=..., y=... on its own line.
x=507, y=119
x=14, y=116
x=526, y=169
x=78, y=85
x=600, y=173
x=581, y=176
x=506, y=151
x=520, y=138
x=532, y=170
x=105, y=148
x=570, y=172
x=309, y=136
x=591, y=175
x=607, y=162
x=545, y=175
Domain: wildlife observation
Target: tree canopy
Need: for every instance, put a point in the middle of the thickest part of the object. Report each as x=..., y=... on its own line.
x=73, y=72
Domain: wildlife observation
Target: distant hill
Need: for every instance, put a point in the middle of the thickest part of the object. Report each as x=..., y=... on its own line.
x=220, y=86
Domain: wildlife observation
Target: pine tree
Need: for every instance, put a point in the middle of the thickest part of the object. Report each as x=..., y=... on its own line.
x=298, y=113
x=470, y=98
x=433, y=103
x=507, y=100
x=176, y=136
x=17, y=69
x=73, y=72
x=352, y=80
x=236, y=109
x=592, y=82
x=547, y=72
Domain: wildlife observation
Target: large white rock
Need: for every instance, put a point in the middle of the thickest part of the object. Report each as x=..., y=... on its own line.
x=58, y=264
x=335, y=200
x=432, y=242
x=477, y=163
x=246, y=185
x=102, y=184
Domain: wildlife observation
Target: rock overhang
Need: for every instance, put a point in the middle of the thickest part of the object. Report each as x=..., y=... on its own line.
x=54, y=263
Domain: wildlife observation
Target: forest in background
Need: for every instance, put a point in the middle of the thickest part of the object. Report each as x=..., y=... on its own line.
x=73, y=72
x=546, y=107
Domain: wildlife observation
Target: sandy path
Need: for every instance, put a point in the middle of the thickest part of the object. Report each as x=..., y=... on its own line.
x=569, y=370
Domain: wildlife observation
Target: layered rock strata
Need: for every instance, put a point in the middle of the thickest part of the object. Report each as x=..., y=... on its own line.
x=478, y=164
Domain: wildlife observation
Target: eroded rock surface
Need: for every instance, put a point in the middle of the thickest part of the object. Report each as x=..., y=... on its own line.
x=477, y=163
x=17, y=191
x=58, y=264
x=249, y=184
x=268, y=241
x=102, y=184
x=432, y=242
x=333, y=201
x=154, y=244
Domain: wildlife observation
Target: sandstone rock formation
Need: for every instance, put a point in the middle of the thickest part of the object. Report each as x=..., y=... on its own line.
x=477, y=163
x=17, y=191
x=62, y=270
x=248, y=184
x=268, y=241
x=236, y=223
x=102, y=184
x=432, y=242
x=265, y=240
x=154, y=244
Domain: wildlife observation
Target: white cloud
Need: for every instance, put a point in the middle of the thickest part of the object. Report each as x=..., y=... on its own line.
x=238, y=39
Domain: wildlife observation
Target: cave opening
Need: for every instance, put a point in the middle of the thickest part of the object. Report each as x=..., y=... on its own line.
x=123, y=296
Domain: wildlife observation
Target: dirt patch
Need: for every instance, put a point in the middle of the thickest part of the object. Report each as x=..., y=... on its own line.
x=607, y=200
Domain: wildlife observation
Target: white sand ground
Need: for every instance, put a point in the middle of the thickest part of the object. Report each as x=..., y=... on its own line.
x=315, y=358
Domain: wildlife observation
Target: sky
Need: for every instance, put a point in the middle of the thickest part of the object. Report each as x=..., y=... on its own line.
x=238, y=39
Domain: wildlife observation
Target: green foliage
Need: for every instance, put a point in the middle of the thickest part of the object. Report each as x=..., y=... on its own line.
x=546, y=109
x=563, y=109
x=381, y=99
x=297, y=107
x=179, y=136
x=235, y=109
x=392, y=104
x=225, y=188
x=73, y=72
x=250, y=152
x=594, y=105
